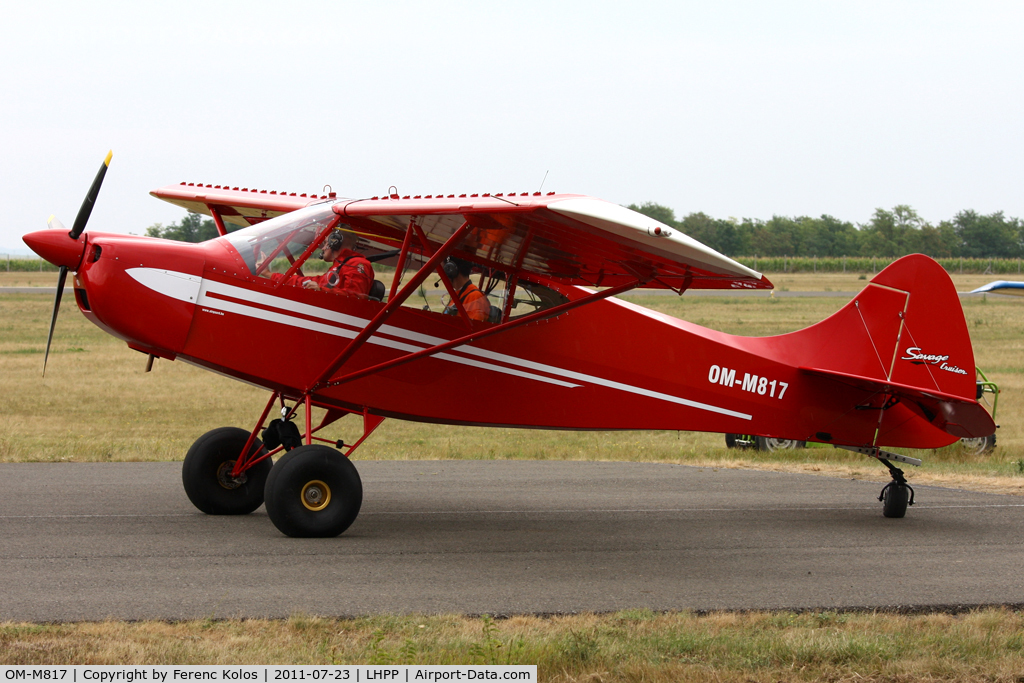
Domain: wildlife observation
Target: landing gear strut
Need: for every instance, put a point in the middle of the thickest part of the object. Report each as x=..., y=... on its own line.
x=312, y=491
x=897, y=494
x=208, y=473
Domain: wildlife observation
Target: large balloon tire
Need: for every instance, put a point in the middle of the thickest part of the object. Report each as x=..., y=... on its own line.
x=980, y=445
x=769, y=445
x=204, y=473
x=313, y=492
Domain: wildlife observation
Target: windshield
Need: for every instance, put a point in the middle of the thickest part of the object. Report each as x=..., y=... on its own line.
x=286, y=237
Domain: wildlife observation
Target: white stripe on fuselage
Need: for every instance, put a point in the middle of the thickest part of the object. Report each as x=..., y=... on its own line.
x=169, y=284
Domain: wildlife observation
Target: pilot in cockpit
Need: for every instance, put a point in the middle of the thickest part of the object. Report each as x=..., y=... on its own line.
x=476, y=303
x=350, y=271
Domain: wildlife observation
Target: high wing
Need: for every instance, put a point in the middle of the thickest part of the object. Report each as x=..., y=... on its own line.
x=572, y=239
x=241, y=207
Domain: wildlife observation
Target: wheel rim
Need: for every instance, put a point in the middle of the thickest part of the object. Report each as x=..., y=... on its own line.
x=316, y=495
x=976, y=445
x=780, y=444
x=224, y=477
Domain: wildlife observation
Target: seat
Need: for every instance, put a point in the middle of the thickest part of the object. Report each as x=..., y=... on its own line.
x=377, y=291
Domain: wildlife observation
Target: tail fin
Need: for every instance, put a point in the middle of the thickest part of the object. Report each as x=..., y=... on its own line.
x=903, y=342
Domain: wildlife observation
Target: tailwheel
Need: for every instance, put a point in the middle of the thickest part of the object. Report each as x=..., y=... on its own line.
x=206, y=473
x=897, y=494
x=895, y=498
x=313, y=491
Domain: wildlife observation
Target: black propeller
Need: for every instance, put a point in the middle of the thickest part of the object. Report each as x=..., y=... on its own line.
x=74, y=234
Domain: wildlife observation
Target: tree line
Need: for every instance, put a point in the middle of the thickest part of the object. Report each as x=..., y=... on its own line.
x=889, y=234
x=192, y=228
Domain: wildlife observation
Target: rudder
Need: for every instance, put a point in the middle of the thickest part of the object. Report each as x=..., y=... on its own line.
x=902, y=340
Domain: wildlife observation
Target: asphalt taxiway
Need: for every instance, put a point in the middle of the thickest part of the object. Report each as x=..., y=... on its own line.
x=120, y=540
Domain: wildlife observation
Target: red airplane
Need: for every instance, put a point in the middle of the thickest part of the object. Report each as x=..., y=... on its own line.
x=893, y=368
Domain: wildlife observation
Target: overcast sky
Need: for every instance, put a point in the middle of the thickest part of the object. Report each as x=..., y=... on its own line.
x=736, y=109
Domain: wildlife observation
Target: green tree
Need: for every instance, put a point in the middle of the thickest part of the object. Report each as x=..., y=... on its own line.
x=192, y=228
x=720, y=235
x=938, y=241
x=990, y=236
x=892, y=233
x=657, y=212
x=828, y=236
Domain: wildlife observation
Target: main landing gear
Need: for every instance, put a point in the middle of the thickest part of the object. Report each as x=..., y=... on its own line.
x=312, y=491
x=208, y=473
x=761, y=443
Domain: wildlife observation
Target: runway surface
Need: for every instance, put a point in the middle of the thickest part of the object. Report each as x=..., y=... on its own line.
x=121, y=540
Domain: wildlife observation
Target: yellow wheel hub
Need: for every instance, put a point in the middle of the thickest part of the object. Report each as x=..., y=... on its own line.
x=316, y=495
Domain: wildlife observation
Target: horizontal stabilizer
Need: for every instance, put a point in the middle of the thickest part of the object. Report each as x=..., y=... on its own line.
x=956, y=415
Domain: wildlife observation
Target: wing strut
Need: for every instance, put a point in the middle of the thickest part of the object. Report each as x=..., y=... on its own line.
x=391, y=306
x=400, y=268
x=480, y=334
x=217, y=220
x=453, y=295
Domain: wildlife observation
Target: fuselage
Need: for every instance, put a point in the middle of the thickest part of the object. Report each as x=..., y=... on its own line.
x=606, y=365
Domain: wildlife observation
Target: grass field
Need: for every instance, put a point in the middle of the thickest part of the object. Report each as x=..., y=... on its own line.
x=97, y=404
x=636, y=645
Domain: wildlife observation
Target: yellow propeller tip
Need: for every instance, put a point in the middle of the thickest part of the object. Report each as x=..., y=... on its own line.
x=106, y=162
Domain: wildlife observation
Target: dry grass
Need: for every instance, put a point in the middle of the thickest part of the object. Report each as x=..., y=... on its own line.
x=97, y=404
x=796, y=282
x=854, y=282
x=28, y=279
x=638, y=645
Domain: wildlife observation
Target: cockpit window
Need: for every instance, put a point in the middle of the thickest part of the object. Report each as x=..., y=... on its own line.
x=531, y=297
x=528, y=297
x=284, y=237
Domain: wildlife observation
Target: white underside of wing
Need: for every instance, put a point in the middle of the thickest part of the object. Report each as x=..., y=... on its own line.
x=637, y=228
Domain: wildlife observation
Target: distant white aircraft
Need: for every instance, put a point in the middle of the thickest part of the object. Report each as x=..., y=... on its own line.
x=1002, y=287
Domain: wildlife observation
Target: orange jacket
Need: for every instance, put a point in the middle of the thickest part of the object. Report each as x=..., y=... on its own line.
x=475, y=302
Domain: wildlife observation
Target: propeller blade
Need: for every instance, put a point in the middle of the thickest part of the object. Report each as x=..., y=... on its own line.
x=56, y=308
x=54, y=224
x=90, y=199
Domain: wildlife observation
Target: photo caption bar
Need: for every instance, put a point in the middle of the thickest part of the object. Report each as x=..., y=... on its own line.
x=356, y=673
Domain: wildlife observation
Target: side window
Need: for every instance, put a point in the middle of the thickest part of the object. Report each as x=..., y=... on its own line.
x=528, y=297
x=531, y=297
x=274, y=245
x=276, y=255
